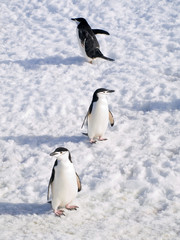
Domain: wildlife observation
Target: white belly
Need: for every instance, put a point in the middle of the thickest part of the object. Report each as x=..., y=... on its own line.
x=98, y=120
x=64, y=187
x=82, y=48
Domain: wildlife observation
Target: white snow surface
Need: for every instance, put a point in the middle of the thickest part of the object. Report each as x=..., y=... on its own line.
x=131, y=182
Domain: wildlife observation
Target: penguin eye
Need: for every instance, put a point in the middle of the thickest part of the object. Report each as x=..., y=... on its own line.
x=62, y=152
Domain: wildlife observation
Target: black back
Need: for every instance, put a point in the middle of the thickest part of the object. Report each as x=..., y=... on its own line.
x=87, y=37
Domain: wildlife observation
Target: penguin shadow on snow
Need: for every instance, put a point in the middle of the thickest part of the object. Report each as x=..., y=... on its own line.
x=24, y=208
x=34, y=63
x=44, y=139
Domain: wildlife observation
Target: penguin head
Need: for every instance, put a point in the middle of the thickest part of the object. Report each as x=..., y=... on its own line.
x=79, y=20
x=61, y=154
x=101, y=93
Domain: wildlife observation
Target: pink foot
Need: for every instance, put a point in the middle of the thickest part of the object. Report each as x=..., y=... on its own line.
x=71, y=207
x=92, y=141
x=102, y=139
x=59, y=213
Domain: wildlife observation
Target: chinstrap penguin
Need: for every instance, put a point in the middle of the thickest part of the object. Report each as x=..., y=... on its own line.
x=98, y=115
x=64, y=182
x=87, y=40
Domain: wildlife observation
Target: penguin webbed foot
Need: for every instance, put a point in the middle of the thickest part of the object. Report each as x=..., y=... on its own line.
x=59, y=213
x=92, y=141
x=102, y=139
x=71, y=207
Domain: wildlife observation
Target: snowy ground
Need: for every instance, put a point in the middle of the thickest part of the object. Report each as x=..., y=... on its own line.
x=130, y=183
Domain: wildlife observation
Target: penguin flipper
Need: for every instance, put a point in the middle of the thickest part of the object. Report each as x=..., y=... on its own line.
x=83, y=35
x=78, y=183
x=51, y=180
x=48, y=193
x=84, y=120
x=100, y=31
x=111, y=119
x=87, y=114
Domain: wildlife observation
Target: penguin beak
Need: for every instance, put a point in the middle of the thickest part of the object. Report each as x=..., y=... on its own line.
x=110, y=91
x=74, y=19
x=53, y=153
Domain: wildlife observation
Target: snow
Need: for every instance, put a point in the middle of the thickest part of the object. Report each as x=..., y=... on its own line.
x=131, y=182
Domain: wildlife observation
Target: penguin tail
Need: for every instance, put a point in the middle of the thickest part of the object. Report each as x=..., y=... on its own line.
x=107, y=58
x=86, y=134
x=99, y=54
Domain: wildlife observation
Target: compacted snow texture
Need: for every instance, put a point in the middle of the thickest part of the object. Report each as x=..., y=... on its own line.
x=131, y=182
